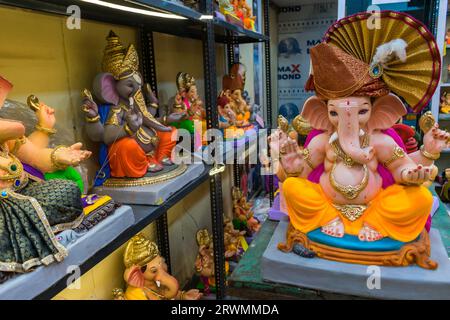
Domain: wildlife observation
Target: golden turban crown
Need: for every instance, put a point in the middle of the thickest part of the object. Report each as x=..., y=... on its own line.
x=185, y=81
x=370, y=54
x=140, y=251
x=204, y=238
x=117, y=60
x=236, y=193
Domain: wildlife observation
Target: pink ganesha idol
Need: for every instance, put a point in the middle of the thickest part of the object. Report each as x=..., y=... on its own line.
x=354, y=177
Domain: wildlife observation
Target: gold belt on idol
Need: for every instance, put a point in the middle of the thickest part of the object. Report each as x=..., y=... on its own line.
x=351, y=211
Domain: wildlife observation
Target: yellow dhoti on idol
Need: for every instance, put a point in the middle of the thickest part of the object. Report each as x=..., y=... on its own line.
x=398, y=212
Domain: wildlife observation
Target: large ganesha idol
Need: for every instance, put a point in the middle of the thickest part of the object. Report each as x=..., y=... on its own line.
x=353, y=194
x=33, y=210
x=136, y=147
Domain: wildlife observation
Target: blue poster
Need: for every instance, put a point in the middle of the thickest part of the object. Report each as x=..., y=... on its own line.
x=299, y=28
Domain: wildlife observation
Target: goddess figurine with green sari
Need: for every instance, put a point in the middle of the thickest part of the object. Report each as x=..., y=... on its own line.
x=33, y=210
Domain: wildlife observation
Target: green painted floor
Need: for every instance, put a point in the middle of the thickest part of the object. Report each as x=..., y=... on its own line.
x=246, y=280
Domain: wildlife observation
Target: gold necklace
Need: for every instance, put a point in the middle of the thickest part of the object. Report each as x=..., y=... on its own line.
x=14, y=169
x=349, y=191
x=348, y=161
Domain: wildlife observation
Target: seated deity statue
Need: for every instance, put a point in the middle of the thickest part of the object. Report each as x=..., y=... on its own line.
x=134, y=143
x=233, y=87
x=146, y=275
x=354, y=179
x=243, y=214
x=234, y=241
x=227, y=118
x=188, y=103
x=245, y=12
x=445, y=103
x=33, y=209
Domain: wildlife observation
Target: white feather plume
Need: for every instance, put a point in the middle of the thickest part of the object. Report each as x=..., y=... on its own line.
x=389, y=50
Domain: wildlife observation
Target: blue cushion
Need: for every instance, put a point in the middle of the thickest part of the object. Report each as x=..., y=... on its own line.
x=351, y=242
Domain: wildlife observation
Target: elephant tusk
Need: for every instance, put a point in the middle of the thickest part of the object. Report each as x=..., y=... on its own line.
x=333, y=137
x=158, y=284
x=361, y=133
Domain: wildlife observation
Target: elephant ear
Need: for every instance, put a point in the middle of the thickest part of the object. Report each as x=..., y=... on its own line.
x=315, y=111
x=386, y=111
x=134, y=277
x=105, y=88
x=5, y=88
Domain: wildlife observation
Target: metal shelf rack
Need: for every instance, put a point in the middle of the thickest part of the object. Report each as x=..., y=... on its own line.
x=185, y=22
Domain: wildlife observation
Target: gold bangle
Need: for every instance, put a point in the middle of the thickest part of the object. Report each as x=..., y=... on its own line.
x=182, y=295
x=306, y=154
x=92, y=120
x=429, y=155
x=397, y=154
x=45, y=130
x=55, y=163
x=128, y=130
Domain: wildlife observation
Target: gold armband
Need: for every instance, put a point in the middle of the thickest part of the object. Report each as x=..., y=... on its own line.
x=306, y=154
x=429, y=155
x=145, y=138
x=55, y=163
x=113, y=119
x=128, y=130
x=45, y=130
x=92, y=120
x=397, y=154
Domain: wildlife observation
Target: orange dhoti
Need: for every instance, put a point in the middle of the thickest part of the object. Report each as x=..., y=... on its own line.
x=127, y=159
x=398, y=212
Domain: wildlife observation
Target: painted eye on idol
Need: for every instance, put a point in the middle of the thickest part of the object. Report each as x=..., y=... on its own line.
x=333, y=113
x=363, y=111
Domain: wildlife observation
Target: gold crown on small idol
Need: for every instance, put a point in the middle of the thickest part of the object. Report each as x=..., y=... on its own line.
x=236, y=193
x=140, y=251
x=203, y=238
x=119, y=61
x=185, y=81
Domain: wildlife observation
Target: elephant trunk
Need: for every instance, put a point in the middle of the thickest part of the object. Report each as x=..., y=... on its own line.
x=169, y=283
x=156, y=125
x=349, y=133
